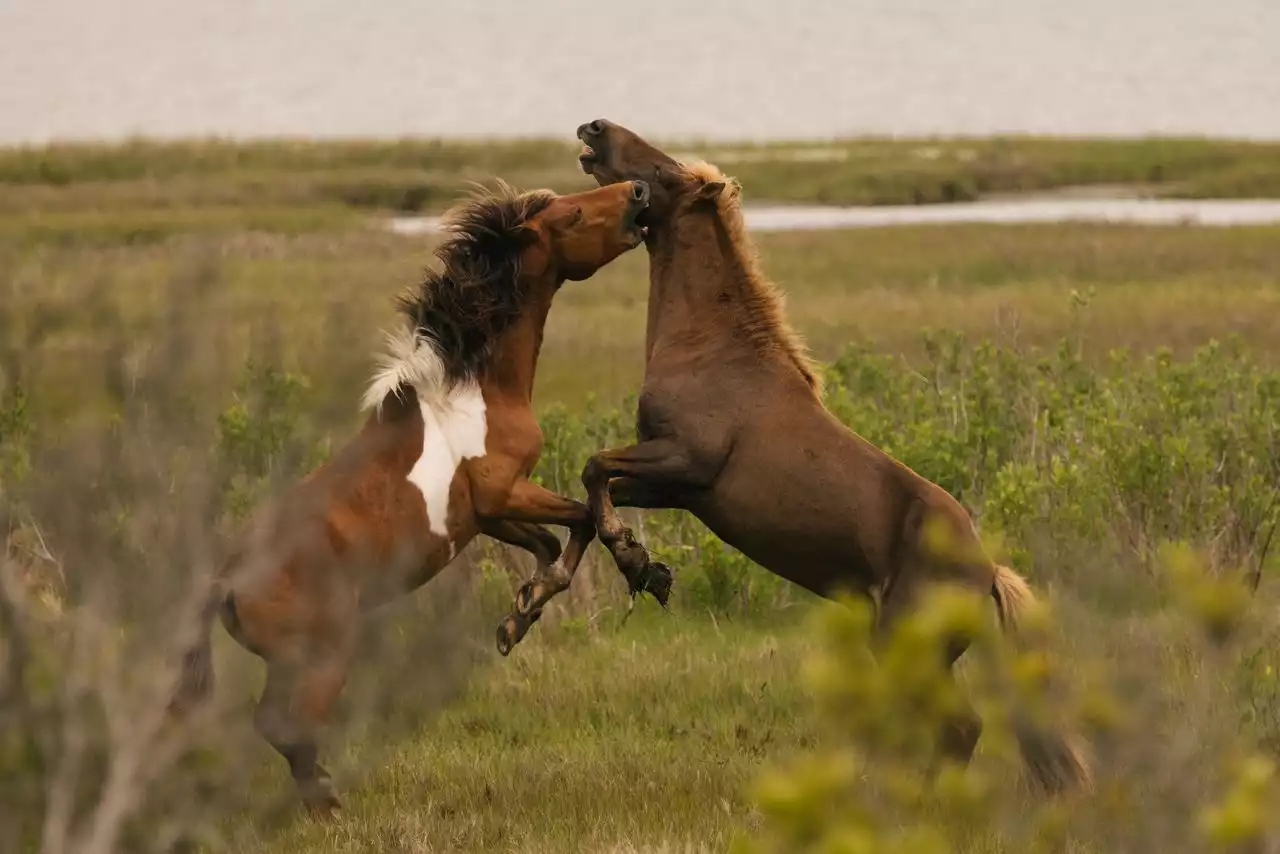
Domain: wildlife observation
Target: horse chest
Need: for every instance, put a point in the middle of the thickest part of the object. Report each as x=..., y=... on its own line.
x=697, y=420
x=453, y=429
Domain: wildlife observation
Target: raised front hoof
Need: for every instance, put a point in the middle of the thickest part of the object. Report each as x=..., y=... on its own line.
x=648, y=576
x=657, y=580
x=512, y=630
x=507, y=637
x=320, y=799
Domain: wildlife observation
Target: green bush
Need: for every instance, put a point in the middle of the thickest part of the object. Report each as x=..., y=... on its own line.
x=1048, y=450
x=870, y=788
x=1086, y=469
x=1044, y=447
x=260, y=434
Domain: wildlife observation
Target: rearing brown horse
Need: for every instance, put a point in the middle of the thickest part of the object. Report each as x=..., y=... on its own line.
x=445, y=455
x=732, y=429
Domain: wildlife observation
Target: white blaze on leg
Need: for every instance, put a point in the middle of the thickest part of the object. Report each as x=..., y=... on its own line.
x=453, y=430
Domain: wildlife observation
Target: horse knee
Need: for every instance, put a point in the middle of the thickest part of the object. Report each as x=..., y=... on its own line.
x=594, y=473
x=297, y=700
x=490, y=501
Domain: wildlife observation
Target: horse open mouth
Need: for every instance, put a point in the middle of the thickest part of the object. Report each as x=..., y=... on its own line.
x=637, y=228
x=587, y=158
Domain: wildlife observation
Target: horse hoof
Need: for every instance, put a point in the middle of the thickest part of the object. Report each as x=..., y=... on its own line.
x=321, y=801
x=633, y=561
x=507, y=637
x=658, y=581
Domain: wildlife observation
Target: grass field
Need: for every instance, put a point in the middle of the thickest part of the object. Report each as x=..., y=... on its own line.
x=183, y=326
x=144, y=190
x=1145, y=287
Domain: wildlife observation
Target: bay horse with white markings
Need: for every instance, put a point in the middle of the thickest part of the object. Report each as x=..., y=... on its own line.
x=732, y=429
x=445, y=455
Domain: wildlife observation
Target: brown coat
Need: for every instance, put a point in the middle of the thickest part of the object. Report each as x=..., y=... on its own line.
x=445, y=455
x=732, y=428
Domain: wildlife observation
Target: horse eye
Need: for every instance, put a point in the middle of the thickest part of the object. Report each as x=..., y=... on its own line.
x=577, y=215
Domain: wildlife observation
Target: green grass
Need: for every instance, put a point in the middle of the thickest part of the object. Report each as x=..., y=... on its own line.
x=1153, y=286
x=583, y=743
x=136, y=281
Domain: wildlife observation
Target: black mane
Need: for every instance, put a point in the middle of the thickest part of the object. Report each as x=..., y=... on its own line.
x=462, y=308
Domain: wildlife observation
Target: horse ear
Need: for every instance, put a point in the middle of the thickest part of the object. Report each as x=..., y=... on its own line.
x=534, y=251
x=709, y=191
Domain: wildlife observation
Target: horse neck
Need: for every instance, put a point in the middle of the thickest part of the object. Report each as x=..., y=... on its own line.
x=699, y=288
x=514, y=362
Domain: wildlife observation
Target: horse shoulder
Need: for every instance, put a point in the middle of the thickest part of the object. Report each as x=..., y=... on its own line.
x=513, y=431
x=513, y=447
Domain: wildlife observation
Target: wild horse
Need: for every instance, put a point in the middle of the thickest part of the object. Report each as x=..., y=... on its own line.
x=444, y=455
x=732, y=429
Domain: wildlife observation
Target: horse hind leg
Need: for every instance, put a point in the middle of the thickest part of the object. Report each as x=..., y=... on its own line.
x=295, y=704
x=961, y=727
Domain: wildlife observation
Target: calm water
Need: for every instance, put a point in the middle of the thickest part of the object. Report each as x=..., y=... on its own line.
x=1211, y=212
x=714, y=68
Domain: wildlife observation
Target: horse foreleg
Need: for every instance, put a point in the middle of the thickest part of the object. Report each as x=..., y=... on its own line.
x=531, y=505
x=546, y=550
x=534, y=539
x=655, y=470
x=644, y=495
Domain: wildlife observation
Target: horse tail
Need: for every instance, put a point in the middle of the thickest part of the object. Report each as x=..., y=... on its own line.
x=1055, y=757
x=1013, y=598
x=196, y=678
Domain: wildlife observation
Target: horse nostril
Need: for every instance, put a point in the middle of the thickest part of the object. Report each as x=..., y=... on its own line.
x=595, y=128
x=640, y=191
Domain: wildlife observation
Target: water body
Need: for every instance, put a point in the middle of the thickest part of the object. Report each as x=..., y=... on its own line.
x=1209, y=212
x=678, y=68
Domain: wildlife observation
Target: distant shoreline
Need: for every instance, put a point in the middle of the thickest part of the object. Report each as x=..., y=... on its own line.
x=147, y=187
x=1006, y=211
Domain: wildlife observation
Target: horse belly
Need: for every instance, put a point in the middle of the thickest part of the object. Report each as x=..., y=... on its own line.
x=776, y=507
x=410, y=569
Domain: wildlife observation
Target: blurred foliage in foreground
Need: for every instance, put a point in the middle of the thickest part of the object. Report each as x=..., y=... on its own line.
x=869, y=788
x=1085, y=471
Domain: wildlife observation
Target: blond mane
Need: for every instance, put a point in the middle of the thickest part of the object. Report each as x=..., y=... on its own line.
x=765, y=305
